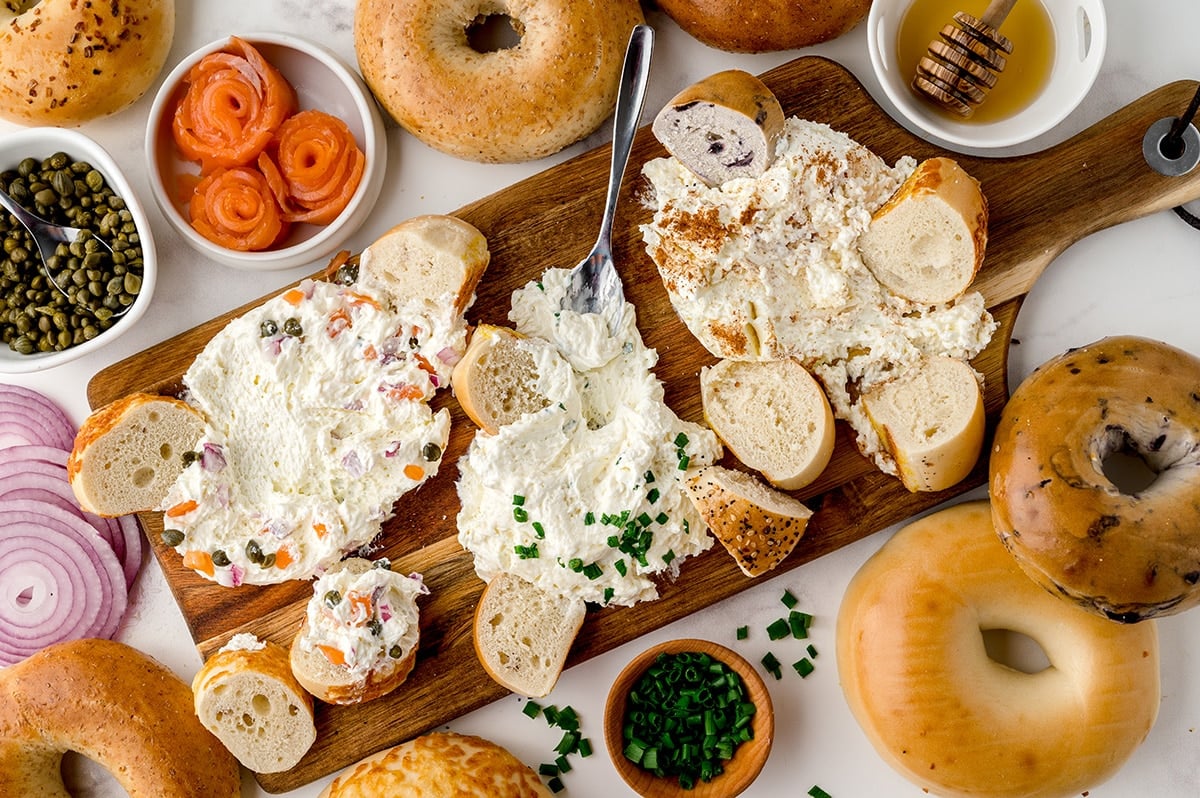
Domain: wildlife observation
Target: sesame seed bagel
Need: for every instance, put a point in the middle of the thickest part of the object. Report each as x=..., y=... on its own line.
x=555, y=86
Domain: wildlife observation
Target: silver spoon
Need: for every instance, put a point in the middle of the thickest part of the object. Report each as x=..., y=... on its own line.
x=595, y=286
x=47, y=236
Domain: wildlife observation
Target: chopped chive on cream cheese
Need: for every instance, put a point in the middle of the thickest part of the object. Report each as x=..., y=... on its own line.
x=586, y=496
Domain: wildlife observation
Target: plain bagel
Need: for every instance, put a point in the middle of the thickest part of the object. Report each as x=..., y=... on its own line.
x=555, y=86
x=916, y=674
x=66, y=62
x=116, y=706
x=759, y=26
x=1128, y=556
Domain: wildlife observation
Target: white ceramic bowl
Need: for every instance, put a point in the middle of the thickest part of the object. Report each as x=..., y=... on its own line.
x=1080, y=31
x=322, y=82
x=42, y=142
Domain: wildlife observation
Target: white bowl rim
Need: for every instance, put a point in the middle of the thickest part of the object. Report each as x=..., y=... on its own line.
x=375, y=145
x=51, y=140
x=1042, y=115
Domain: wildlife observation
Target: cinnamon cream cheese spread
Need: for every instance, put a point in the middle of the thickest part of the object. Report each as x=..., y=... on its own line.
x=768, y=268
x=317, y=421
x=585, y=498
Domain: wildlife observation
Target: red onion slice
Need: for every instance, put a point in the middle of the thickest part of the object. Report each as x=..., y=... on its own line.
x=34, y=418
x=42, y=454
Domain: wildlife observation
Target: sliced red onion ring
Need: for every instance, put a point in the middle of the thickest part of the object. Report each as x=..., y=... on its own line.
x=28, y=416
x=78, y=571
x=42, y=454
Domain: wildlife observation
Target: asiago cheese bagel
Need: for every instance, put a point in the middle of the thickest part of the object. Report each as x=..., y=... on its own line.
x=918, y=678
x=511, y=104
x=66, y=62
x=1127, y=555
x=116, y=706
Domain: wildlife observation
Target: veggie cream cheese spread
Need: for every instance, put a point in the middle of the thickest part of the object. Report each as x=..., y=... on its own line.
x=767, y=268
x=317, y=421
x=362, y=620
x=586, y=496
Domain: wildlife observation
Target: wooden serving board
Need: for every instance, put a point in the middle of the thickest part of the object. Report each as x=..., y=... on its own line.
x=1040, y=204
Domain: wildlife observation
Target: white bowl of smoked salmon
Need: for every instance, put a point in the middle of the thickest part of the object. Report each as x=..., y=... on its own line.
x=265, y=151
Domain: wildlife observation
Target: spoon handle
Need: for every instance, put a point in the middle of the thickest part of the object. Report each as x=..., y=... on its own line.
x=16, y=209
x=631, y=94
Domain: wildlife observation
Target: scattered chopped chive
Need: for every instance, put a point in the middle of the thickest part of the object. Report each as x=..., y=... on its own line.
x=683, y=462
x=798, y=624
x=644, y=519
x=670, y=555
x=608, y=594
x=681, y=440
x=575, y=564
x=529, y=552
x=520, y=515
x=547, y=769
x=652, y=495
x=789, y=600
x=585, y=748
x=803, y=667
x=817, y=792
x=550, y=713
x=772, y=665
x=518, y=500
x=589, y=519
x=812, y=651
x=613, y=541
x=593, y=571
x=662, y=518
x=567, y=718
x=620, y=566
x=743, y=632
x=564, y=766
x=555, y=785
x=778, y=629
x=531, y=709
x=648, y=478
x=539, y=529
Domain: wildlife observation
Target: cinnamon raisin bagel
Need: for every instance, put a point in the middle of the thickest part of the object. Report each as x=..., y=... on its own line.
x=552, y=88
x=1126, y=555
x=116, y=706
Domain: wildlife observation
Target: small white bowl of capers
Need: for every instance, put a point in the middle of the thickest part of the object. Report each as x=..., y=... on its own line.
x=89, y=295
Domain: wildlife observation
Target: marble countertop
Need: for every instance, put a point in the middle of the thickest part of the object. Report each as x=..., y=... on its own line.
x=1140, y=278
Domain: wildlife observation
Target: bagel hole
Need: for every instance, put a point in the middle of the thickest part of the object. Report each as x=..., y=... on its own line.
x=490, y=33
x=1015, y=650
x=1127, y=470
x=83, y=776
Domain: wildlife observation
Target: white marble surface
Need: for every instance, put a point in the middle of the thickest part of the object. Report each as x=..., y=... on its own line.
x=1141, y=278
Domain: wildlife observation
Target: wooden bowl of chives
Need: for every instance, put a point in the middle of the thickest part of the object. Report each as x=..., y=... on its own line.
x=749, y=756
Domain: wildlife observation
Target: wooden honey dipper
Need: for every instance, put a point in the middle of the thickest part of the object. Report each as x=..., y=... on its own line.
x=964, y=62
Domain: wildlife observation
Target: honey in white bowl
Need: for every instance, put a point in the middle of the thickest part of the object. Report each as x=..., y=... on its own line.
x=1028, y=69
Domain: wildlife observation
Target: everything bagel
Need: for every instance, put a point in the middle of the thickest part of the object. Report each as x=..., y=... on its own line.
x=555, y=86
x=1128, y=556
x=917, y=676
x=66, y=62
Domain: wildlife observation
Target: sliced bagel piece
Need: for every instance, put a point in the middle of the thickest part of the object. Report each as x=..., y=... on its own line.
x=495, y=382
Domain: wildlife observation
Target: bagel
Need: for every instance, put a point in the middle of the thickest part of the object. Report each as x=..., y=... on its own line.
x=1126, y=555
x=555, y=86
x=760, y=26
x=66, y=63
x=916, y=674
x=116, y=706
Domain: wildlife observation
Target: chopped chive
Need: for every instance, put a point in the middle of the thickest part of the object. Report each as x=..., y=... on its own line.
x=585, y=748
x=555, y=785
x=531, y=709
x=778, y=629
x=668, y=557
x=649, y=477
x=812, y=651
x=644, y=519
x=817, y=792
x=662, y=518
x=652, y=496
x=681, y=440
x=520, y=515
x=575, y=564
x=743, y=632
x=684, y=460
x=772, y=665
x=798, y=624
x=518, y=500
x=547, y=769
x=620, y=566
x=539, y=529
x=608, y=594
x=564, y=766
x=789, y=600
x=589, y=519
x=803, y=667
x=529, y=552
x=593, y=571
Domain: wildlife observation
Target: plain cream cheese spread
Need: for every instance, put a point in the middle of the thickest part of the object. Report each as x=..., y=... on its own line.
x=585, y=497
x=317, y=421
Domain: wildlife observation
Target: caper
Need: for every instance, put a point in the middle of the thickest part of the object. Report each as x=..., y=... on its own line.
x=346, y=274
x=268, y=560
x=268, y=328
x=376, y=626
x=132, y=284
x=332, y=598
x=46, y=197
x=94, y=180
x=172, y=537
x=23, y=346
x=220, y=558
x=395, y=652
x=58, y=160
x=63, y=183
x=293, y=327
x=383, y=563
x=254, y=552
x=431, y=451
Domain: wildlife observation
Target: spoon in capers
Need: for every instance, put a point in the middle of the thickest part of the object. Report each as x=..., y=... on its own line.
x=48, y=236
